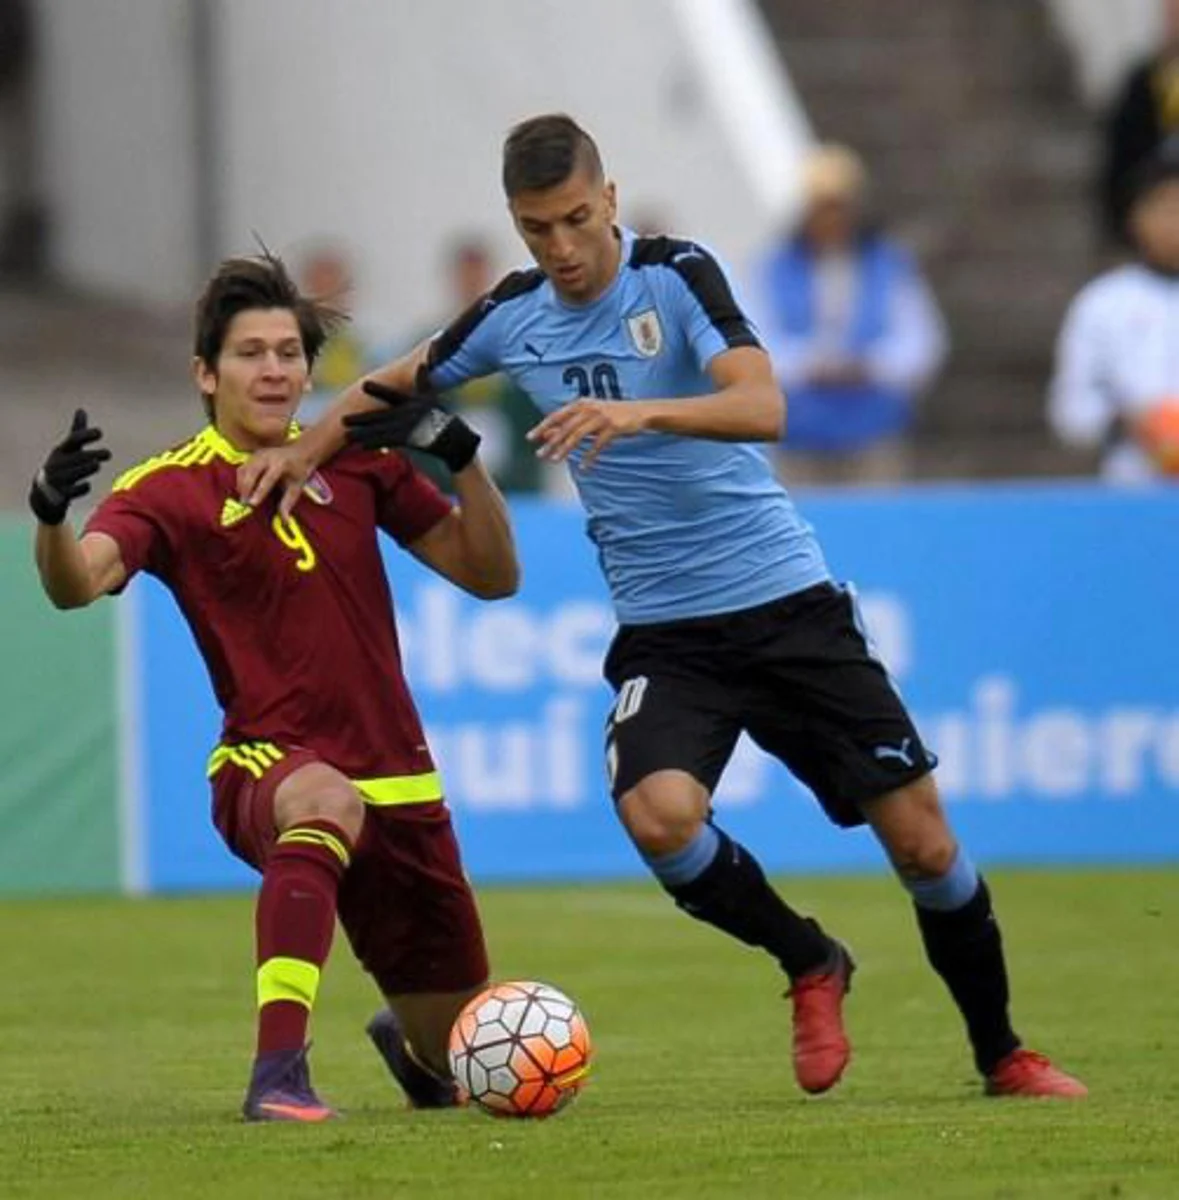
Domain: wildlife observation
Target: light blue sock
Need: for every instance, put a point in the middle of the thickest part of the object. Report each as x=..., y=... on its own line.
x=948, y=892
x=674, y=870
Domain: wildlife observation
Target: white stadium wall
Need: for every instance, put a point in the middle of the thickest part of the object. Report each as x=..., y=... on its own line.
x=117, y=146
x=1104, y=37
x=379, y=123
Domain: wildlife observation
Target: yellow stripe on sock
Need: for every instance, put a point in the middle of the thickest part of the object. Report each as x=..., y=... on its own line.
x=291, y=979
x=316, y=837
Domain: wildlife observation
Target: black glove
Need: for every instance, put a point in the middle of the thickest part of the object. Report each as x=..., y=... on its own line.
x=414, y=420
x=63, y=477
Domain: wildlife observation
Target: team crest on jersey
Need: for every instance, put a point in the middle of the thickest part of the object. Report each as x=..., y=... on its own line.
x=317, y=489
x=646, y=332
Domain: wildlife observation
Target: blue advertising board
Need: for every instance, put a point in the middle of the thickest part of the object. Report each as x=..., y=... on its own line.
x=1030, y=628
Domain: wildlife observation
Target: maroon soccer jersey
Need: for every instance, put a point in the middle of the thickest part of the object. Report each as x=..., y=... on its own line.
x=293, y=619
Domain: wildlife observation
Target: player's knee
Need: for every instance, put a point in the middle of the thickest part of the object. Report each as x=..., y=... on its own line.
x=912, y=827
x=342, y=806
x=924, y=853
x=319, y=793
x=662, y=816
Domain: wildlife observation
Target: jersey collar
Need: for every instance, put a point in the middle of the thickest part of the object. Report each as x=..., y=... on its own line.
x=224, y=448
x=626, y=240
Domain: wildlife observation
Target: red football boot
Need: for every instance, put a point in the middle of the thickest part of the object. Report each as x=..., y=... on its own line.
x=1026, y=1073
x=821, y=1048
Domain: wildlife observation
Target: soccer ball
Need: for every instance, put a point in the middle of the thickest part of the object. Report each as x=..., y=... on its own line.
x=520, y=1049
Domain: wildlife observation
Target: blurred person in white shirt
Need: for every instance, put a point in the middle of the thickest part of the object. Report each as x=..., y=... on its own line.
x=1116, y=386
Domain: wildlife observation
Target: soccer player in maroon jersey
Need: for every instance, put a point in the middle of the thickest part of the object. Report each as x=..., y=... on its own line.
x=322, y=780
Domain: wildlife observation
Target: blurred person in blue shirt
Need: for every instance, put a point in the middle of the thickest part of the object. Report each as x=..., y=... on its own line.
x=853, y=331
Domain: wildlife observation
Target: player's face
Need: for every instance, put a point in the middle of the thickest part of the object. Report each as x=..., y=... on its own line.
x=569, y=230
x=831, y=223
x=1155, y=220
x=259, y=379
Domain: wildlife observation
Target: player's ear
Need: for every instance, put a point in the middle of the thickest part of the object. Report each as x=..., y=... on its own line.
x=515, y=219
x=205, y=376
x=611, y=194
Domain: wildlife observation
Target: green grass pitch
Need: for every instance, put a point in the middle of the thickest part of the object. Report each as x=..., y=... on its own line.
x=127, y=1030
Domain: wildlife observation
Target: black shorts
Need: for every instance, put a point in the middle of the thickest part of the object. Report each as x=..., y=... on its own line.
x=796, y=674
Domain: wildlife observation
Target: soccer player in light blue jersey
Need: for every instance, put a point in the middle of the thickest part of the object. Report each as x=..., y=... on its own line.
x=653, y=385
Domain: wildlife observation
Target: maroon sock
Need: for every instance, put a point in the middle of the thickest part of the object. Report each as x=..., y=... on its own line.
x=294, y=922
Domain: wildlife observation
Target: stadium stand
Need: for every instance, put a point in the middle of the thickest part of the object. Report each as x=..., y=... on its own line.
x=982, y=153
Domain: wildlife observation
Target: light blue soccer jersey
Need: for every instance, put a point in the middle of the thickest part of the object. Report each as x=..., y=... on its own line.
x=684, y=527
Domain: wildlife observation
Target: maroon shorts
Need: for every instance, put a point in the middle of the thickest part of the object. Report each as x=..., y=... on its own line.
x=404, y=901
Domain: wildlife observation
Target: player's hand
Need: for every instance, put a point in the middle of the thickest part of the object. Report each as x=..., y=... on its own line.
x=285, y=467
x=415, y=420
x=600, y=421
x=63, y=477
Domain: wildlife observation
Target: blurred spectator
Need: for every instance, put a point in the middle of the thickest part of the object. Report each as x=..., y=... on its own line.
x=648, y=222
x=493, y=406
x=854, y=333
x=326, y=275
x=1116, y=388
x=23, y=222
x=1144, y=114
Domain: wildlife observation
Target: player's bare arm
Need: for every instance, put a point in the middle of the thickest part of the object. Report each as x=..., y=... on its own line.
x=747, y=406
x=289, y=467
x=74, y=572
x=473, y=546
x=77, y=571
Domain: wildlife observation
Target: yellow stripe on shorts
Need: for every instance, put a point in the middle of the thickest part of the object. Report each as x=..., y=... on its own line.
x=258, y=757
x=255, y=757
x=401, y=789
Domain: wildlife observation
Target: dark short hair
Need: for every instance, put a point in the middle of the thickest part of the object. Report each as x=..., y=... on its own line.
x=544, y=151
x=244, y=284
x=1161, y=166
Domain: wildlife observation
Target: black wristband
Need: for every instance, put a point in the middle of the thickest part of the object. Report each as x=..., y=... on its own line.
x=47, y=510
x=456, y=445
